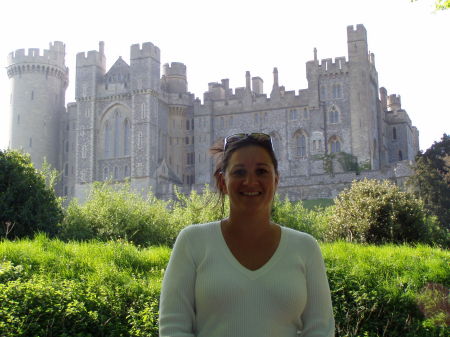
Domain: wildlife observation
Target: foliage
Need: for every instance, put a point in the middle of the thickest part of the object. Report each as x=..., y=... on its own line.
x=431, y=180
x=197, y=208
x=27, y=204
x=295, y=215
x=115, y=212
x=377, y=212
x=48, y=288
x=381, y=290
x=348, y=162
x=51, y=288
x=440, y=5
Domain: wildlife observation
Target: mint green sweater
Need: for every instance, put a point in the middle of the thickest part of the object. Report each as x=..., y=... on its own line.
x=206, y=292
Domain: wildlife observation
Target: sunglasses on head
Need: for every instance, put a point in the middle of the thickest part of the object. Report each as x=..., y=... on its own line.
x=260, y=137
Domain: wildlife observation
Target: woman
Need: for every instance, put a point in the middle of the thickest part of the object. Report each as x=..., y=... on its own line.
x=245, y=275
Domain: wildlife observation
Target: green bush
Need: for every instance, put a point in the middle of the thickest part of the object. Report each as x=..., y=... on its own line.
x=295, y=215
x=27, y=204
x=377, y=212
x=52, y=288
x=115, y=212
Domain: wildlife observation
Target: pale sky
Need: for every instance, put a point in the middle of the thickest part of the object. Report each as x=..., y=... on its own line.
x=224, y=39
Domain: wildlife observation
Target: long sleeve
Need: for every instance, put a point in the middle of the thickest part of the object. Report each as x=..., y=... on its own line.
x=317, y=317
x=177, y=302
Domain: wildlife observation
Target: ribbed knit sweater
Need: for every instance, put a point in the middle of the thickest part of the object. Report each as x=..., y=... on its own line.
x=206, y=292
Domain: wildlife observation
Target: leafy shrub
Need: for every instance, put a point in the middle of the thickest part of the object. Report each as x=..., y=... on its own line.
x=371, y=211
x=27, y=204
x=116, y=212
x=296, y=216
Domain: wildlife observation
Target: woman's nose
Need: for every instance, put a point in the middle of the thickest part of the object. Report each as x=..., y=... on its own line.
x=250, y=179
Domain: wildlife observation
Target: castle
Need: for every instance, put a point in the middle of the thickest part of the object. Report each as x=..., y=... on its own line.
x=131, y=123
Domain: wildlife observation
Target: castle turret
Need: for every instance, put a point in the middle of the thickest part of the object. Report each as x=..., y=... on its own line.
x=39, y=84
x=175, y=76
x=363, y=87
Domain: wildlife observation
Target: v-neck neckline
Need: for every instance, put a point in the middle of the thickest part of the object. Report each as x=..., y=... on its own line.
x=251, y=274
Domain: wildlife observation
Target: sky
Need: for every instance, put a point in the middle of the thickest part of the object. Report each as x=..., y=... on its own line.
x=224, y=39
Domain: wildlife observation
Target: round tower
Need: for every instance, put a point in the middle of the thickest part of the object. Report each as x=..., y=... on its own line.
x=38, y=87
x=176, y=77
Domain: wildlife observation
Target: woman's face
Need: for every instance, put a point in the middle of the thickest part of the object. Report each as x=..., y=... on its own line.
x=250, y=180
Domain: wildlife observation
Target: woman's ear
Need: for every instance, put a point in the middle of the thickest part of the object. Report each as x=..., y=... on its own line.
x=222, y=185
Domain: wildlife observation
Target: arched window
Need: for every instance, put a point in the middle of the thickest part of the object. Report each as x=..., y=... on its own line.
x=300, y=142
x=394, y=133
x=107, y=139
x=334, y=115
x=335, y=145
x=116, y=134
x=126, y=137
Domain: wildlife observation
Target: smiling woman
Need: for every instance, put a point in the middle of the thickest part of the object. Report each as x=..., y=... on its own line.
x=245, y=275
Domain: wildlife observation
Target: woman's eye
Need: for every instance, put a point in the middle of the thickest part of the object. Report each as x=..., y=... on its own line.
x=261, y=171
x=239, y=172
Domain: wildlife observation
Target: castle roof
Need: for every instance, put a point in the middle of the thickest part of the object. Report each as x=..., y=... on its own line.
x=119, y=69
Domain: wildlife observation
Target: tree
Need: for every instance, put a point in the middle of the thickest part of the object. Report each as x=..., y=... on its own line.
x=440, y=5
x=27, y=204
x=372, y=211
x=431, y=179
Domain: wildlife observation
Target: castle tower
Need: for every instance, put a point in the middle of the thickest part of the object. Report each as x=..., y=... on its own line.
x=363, y=98
x=145, y=94
x=90, y=70
x=37, y=100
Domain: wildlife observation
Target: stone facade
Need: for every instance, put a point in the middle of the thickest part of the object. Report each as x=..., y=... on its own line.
x=131, y=123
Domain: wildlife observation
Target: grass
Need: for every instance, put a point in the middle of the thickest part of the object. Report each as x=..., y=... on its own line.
x=313, y=203
x=112, y=288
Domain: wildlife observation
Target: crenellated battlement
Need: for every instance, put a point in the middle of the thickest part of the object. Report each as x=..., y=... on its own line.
x=53, y=56
x=174, y=69
x=356, y=34
x=327, y=66
x=148, y=50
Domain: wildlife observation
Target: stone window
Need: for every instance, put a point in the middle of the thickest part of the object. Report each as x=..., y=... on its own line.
x=305, y=113
x=335, y=144
x=18, y=119
x=66, y=146
x=30, y=142
x=337, y=91
x=116, y=134
x=116, y=172
x=32, y=94
x=187, y=124
x=126, y=137
x=65, y=190
x=300, y=145
x=83, y=152
x=140, y=140
x=400, y=155
x=143, y=111
x=105, y=173
x=107, y=143
x=394, y=133
x=125, y=171
x=293, y=114
x=334, y=115
x=323, y=93
x=186, y=140
x=66, y=169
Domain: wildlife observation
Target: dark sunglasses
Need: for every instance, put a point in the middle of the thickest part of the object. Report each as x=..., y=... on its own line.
x=260, y=137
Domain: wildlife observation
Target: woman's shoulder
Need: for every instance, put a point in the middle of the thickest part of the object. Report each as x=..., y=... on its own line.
x=200, y=229
x=299, y=237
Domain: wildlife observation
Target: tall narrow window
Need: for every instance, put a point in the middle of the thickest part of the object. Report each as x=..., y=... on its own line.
x=394, y=133
x=30, y=143
x=400, y=155
x=143, y=111
x=301, y=146
x=32, y=94
x=139, y=141
x=125, y=171
x=116, y=172
x=66, y=169
x=116, y=134
x=126, y=137
x=107, y=139
x=334, y=115
x=105, y=173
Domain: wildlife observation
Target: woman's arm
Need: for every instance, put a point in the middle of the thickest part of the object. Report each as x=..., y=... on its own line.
x=317, y=318
x=177, y=302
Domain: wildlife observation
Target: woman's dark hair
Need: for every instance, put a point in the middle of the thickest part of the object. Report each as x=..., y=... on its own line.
x=222, y=156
